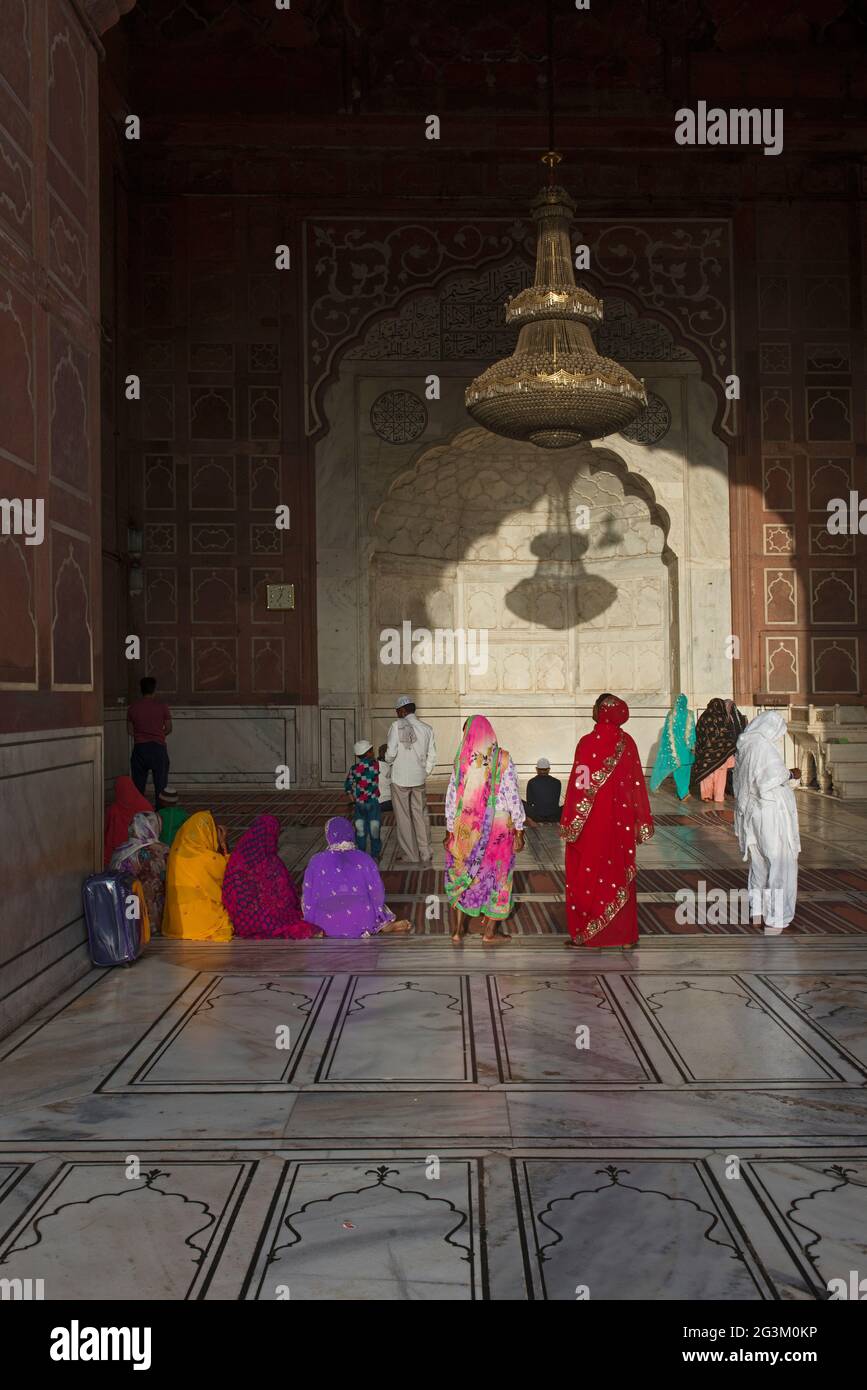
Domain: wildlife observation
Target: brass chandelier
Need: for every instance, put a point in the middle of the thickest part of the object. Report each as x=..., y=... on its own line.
x=555, y=390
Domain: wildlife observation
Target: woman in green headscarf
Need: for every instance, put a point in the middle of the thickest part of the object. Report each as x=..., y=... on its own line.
x=171, y=820
x=675, y=756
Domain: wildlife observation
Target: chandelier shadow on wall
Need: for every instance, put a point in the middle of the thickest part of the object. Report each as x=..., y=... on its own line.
x=555, y=390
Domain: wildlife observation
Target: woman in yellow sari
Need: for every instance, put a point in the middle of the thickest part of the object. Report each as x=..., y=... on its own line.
x=194, y=882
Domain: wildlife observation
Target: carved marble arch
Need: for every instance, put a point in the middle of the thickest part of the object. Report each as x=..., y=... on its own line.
x=560, y=559
x=457, y=312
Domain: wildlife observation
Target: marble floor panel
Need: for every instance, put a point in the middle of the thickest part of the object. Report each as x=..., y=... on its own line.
x=460, y=1224
x=402, y=1120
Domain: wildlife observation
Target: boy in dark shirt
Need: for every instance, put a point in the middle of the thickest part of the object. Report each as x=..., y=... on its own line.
x=362, y=788
x=543, y=795
x=148, y=722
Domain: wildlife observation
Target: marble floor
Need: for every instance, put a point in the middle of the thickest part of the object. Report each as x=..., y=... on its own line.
x=404, y=1119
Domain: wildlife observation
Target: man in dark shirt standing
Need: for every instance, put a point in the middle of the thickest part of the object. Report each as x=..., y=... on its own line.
x=543, y=795
x=148, y=721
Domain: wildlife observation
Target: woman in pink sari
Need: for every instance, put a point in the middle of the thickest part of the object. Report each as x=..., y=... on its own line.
x=258, y=892
x=485, y=819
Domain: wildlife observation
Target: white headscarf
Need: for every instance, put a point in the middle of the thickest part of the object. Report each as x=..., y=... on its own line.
x=769, y=725
x=144, y=830
x=758, y=765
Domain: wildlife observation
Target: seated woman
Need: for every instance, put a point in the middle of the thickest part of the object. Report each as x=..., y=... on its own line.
x=194, y=882
x=258, y=892
x=145, y=858
x=343, y=892
x=171, y=820
x=485, y=820
x=127, y=801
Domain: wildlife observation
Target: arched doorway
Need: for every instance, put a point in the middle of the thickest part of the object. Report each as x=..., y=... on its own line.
x=422, y=520
x=541, y=578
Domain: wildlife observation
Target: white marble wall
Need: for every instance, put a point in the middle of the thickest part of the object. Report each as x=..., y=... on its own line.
x=223, y=743
x=51, y=838
x=677, y=497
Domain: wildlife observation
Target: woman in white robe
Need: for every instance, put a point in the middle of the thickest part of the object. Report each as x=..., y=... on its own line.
x=766, y=822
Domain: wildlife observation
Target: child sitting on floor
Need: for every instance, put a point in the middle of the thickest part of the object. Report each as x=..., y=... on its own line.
x=362, y=788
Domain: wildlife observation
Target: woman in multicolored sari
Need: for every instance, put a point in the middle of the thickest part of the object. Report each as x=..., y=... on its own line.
x=606, y=815
x=143, y=856
x=484, y=820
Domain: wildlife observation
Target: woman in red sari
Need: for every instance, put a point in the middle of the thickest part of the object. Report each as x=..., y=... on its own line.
x=606, y=814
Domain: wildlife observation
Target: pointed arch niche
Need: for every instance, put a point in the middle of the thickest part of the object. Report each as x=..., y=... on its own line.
x=425, y=518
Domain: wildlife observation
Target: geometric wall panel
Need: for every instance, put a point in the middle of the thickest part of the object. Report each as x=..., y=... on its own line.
x=213, y=482
x=19, y=648
x=822, y=542
x=776, y=413
x=213, y=595
x=268, y=663
x=834, y=596
x=71, y=620
x=835, y=665
x=779, y=539
x=829, y=413
x=778, y=484
x=215, y=665
x=781, y=596
x=70, y=423
x=828, y=479
x=781, y=665
x=18, y=422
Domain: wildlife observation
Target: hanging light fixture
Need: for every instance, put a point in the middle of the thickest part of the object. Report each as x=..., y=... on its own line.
x=555, y=390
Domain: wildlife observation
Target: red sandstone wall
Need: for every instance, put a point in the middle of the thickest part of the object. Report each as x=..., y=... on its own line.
x=801, y=293
x=50, y=619
x=216, y=443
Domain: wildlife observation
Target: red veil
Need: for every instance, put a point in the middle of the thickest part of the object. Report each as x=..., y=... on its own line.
x=606, y=813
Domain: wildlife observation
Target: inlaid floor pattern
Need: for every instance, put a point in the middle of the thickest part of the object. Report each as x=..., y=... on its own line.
x=402, y=1119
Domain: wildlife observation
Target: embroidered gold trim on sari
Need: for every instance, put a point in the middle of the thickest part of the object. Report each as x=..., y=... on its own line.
x=570, y=832
x=610, y=910
x=644, y=832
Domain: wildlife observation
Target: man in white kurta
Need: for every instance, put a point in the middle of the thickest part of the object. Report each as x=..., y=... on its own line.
x=766, y=821
x=411, y=753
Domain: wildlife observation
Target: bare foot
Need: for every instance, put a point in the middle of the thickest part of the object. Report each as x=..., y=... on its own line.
x=494, y=936
x=396, y=927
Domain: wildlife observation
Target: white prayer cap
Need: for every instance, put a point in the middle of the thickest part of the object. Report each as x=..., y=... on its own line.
x=543, y=762
x=361, y=746
x=401, y=701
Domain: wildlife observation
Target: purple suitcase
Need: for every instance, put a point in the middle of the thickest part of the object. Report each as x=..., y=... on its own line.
x=113, y=938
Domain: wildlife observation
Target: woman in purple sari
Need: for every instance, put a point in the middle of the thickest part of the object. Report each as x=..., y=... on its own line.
x=343, y=892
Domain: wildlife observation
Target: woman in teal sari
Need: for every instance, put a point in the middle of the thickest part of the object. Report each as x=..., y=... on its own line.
x=676, y=749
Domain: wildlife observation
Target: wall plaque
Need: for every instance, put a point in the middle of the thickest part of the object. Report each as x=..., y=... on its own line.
x=281, y=595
